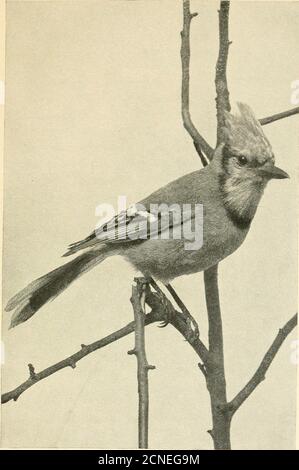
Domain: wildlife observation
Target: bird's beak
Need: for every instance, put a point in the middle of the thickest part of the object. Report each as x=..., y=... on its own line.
x=272, y=171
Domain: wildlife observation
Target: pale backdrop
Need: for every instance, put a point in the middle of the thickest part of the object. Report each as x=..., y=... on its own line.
x=93, y=112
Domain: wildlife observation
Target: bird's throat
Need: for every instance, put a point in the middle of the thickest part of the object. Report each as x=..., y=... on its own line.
x=241, y=198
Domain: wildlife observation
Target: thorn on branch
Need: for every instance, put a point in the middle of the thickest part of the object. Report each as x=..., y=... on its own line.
x=31, y=371
x=72, y=364
x=132, y=352
x=152, y=317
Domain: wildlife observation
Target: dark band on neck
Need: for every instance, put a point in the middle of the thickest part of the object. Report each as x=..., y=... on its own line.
x=241, y=221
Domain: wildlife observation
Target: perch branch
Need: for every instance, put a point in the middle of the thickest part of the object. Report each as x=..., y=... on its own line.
x=200, y=143
x=182, y=321
x=72, y=360
x=176, y=318
x=214, y=367
x=260, y=373
x=143, y=367
x=276, y=117
x=222, y=93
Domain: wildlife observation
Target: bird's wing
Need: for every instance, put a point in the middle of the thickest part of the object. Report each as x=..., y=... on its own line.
x=137, y=223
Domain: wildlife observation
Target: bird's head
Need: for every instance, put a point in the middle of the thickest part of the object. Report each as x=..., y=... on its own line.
x=246, y=163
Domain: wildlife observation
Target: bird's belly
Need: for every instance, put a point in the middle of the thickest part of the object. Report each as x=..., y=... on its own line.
x=168, y=259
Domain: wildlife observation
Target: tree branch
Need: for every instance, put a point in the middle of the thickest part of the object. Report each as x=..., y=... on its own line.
x=215, y=373
x=161, y=311
x=142, y=365
x=214, y=367
x=276, y=117
x=260, y=373
x=72, y=360
x=200, y=143
x=222, y=93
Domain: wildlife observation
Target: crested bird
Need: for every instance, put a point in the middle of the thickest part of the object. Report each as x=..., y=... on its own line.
x=229, y=189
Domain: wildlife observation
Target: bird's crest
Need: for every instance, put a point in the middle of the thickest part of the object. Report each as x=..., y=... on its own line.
x=244, y=134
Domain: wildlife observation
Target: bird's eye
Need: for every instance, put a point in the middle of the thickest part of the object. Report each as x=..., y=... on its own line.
x=242, y=160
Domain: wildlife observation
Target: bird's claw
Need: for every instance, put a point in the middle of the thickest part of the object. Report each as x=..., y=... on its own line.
x=165, y=303
x=163, y=324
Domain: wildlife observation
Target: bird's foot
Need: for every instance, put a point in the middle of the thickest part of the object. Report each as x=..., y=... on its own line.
x=167, y=307
x=190, y=321
x=167, y=310
x=143, y=286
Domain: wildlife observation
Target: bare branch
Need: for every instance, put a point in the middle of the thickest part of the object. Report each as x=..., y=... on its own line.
x=215, y=373
x=276, y=117
x=260, y=373
x=142, y=365
x=222, y=93
x=161, y=311
x=214, y=366
x=200, y=143
x=72, y=360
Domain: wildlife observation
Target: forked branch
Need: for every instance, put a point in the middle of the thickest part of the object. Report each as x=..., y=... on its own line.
x=161, y=311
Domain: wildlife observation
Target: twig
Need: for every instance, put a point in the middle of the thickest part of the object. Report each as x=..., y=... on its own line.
x=267, y=360
x=276, y=117
x=201, y=145
x=222, y=93
x=72, y=360
x=142, y=365
x=176, y=318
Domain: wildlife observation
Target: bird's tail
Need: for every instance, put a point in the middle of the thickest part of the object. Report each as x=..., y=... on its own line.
x=29, y=300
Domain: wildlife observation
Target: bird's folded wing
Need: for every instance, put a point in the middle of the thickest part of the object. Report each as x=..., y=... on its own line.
x=137, y=223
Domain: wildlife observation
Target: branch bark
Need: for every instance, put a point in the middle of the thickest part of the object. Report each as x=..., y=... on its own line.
x=71, y=361
x=200, y=143
x=143, y=366
x=215, y=373
x=222, y=93
x=276, y=117
x=266, y=362
x=162, y=310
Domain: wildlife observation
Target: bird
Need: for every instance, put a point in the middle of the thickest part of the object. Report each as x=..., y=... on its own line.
x=228, y=189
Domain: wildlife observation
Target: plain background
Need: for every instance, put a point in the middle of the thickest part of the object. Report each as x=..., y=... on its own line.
x=93, y=112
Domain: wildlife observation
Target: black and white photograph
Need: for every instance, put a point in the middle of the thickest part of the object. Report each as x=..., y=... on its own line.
x=150, y=207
